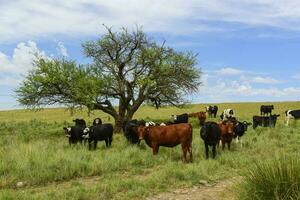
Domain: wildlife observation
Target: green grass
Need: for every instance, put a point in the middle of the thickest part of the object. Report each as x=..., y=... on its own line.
x=34, y=150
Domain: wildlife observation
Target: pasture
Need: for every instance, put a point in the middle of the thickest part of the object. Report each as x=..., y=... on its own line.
x=35, y=151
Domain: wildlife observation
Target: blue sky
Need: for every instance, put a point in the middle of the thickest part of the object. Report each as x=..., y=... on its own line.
x=248, y=50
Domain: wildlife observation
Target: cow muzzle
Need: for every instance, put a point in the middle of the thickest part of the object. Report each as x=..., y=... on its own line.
x=86, y=136
x=68, y=136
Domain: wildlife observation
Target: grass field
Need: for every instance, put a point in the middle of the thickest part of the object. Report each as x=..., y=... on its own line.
x=34, y=151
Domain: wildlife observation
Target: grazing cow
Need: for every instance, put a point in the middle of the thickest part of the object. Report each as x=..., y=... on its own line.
x=130, y=130
x=227, y=114
x=98, y=133
x=265, y=121
x=74, y=133
x=168, y=136
x=80, y=122
x=200, y=115
x=239, y=129
x=266, y=109
x=183, y=118
x=97, y=121
x=227, y=132
x=291, y=114
x=212, y=111
x=211, y=135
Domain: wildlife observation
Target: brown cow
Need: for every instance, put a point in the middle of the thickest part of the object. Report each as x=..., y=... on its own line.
x=168, y=136
x=227, y=132
x=200, y=115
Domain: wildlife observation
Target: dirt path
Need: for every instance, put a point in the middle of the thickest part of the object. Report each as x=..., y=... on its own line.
x=219, y=191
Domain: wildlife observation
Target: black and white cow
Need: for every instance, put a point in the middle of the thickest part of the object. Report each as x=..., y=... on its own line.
x=266, y=109
x=98, y=133
x=265, y=121
x=239, y=129
x=74, y=133
x=228, y=114
x=97, y=121
x=212, y=111
x=183, y=118
x=291, y=114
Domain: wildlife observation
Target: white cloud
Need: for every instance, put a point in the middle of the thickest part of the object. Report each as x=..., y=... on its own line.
x=62, y=49
x=297, y=76
x=265, y=80
x=37, y=18
x=228, y=71
x=13, y=68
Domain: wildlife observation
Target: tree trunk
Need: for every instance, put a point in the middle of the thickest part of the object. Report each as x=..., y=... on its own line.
x=119, y=123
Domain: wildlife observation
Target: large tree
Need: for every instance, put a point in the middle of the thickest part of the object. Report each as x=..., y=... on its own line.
x=126, y=70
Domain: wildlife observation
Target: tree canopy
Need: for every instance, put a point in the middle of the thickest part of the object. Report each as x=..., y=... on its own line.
x=127, y=70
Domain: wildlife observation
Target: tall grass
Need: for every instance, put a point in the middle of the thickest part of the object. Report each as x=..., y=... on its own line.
x=277, y=179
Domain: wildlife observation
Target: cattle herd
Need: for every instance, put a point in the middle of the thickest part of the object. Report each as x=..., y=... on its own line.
x=178, y=130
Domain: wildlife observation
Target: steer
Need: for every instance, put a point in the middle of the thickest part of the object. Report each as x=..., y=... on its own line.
x=211, y=135
x=200, y=115
x=98, y=133
x=266, y=109
x=228, y=114
x=266, y=121
x=291, y=114
x=227, y=132
x=183, y=118
x=212, y=111
x=239, y=130
x=74, y=133
x=168, y=136
x=130, y=130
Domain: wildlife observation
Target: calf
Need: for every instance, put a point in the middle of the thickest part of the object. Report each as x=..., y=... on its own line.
x=228, y=114
x=130, y=130
x=168, y=136
x=266, y=109
x=200, y=115
x=183, y=118
x=265, y=121
x=212, y=111
x=291, y=114
x=227, y=132
x=239, y=129
x=98, y=133
x=211, y=135
x=74, y=133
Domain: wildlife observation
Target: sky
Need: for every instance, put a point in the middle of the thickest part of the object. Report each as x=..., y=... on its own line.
x=248, y=50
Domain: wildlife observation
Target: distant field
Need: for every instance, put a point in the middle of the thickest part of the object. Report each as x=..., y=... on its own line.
x=34, y=151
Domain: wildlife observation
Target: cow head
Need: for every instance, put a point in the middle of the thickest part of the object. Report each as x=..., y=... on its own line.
x=97, y=121
x=229, y=126
x=174, y=117
x=67, y=131
x=142, y=131
x=86, y=133
x=246, y=124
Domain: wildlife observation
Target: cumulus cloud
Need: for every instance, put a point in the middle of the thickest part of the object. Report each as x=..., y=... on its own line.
x=12, y=68
x=260, y=79
x=228, y=71
x=38, y=18
x=62, y=49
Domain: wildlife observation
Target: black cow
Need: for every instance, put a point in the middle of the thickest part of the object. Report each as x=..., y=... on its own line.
x=80, y=122
x=183, y=118
x=98, y=133
x=266, y=109
x=211, y=135
x=74, y=133
x=265, y=121
x=97, y=121
x=291, y=114
x=130, y=130
x=212, y=111
x=240, y=128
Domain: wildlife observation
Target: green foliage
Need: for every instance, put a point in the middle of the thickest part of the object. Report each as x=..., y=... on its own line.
x=277, y=178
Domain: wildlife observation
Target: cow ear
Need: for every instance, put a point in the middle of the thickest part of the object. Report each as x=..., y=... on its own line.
x=65, y=128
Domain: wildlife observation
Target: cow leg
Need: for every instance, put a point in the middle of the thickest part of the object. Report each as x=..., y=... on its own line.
x=106, y=143
x=90, y=144
x=155, y=149
x=206, y=151
x=110, y=140
x=184, y=151
x=228, y=145
x=191, y=153
x=95, y=144
x=223, y=144
x=214, y=151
